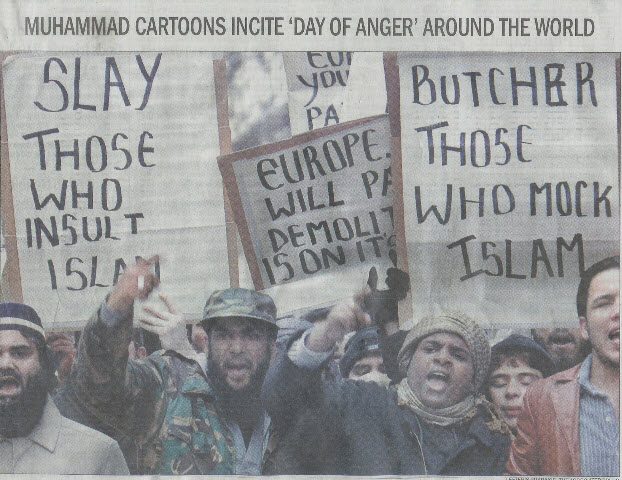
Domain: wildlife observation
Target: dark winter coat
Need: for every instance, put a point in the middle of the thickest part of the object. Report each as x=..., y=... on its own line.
x=357, y=428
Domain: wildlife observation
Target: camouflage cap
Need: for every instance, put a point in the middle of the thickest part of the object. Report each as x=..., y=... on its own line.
x=240, y=302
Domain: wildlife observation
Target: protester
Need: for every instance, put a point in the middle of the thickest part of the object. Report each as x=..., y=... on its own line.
x=34, y=437
x=199, y=339
x=432, y=423
x=72, y=407
x=515, y=363
x=566, y=346
x=362, y=359
x=184, y=421
x=63, y=350
x=570, y=421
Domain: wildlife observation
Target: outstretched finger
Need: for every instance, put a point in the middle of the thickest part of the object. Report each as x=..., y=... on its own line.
x=148, y=262
x=154, y=312
x=152, y=324
x=168, y=303
x=360, y=296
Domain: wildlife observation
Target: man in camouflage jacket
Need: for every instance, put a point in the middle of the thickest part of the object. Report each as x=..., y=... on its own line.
x=184, y=419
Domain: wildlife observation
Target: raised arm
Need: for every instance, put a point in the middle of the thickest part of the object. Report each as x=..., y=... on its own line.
x=293, y=382
x=123, y=394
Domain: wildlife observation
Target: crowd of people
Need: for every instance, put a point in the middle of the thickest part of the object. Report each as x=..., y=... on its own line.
x=339, y=390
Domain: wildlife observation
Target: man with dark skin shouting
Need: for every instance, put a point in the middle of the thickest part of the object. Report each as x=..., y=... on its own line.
x=433, y=422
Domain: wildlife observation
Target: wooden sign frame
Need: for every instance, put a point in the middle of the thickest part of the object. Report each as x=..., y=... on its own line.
x=226, y=164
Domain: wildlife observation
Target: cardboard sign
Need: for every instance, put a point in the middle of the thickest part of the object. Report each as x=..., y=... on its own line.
x=328, y=88
x=112, y=158
x=510, y=180
x=316, y=84
x=315, y=209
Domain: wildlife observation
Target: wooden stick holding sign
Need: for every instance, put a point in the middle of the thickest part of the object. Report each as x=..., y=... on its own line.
x=405, y=308
x=224, y=137
x=10, y=282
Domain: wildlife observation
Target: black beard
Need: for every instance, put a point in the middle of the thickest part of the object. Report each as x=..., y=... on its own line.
x=19, y=415
x=243, y=406
x=564, y=362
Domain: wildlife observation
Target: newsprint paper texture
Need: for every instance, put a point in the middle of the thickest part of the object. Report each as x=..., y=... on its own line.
x=109, y=196
x=510, y=169
x=110, y=138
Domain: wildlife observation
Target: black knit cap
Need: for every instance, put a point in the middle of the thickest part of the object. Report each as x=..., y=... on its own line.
x=515, y=342
x=360, y=344
x=17, y=316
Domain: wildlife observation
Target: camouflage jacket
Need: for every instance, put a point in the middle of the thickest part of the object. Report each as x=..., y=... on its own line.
x=163, y=402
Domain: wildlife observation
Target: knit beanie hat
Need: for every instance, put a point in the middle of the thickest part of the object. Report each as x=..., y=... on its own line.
x=17, y=316
x=515, y=343
x=363, y=343
x=451, y=322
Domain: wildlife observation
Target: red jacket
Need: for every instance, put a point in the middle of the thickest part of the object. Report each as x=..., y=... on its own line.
x=547, y=439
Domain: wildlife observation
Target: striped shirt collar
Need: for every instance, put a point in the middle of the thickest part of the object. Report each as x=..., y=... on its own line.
x=584, y=378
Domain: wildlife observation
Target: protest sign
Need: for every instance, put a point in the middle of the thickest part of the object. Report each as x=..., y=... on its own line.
x=112, y=157
x=316, y=83
x=314, y=207
x=509, y=167
x=328, y=88
x=365, y=91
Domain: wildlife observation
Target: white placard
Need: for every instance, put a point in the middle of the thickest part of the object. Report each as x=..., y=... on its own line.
x=328, y=88
x=316, y=84
x=317, y=209
x=113, y=156
x=510, y=166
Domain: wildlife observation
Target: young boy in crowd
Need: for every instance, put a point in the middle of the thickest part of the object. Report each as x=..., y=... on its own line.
x=515, y=363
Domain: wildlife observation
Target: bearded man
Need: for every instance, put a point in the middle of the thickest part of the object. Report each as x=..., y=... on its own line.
x=566, y=346
x=34, y=437
x=186, y=417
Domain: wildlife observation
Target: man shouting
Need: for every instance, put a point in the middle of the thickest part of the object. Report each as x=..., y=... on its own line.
x=34, y=437
x=433, y=423
x=186, y=417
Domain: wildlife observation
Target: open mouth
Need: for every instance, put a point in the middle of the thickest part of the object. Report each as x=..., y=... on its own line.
x=9, y=386
x=237, y=366
x=615, y=335
x=437, y=380
x=561, y=339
